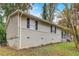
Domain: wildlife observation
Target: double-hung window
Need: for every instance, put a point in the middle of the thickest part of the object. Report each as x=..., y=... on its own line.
x=36, y=25
x=28, y=23
x=32, y=24
x=54, y=29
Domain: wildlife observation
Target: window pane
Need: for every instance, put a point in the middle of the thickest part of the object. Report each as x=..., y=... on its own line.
x=32, y=24
x=28, y=22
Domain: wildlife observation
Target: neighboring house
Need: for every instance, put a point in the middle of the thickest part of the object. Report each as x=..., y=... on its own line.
x=24, y=31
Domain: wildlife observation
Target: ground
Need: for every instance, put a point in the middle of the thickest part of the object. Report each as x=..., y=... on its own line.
x=61, y=49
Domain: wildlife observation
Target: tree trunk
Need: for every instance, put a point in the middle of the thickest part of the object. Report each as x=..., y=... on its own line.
x=77, y=46
x=76, y=37
x=77, y=42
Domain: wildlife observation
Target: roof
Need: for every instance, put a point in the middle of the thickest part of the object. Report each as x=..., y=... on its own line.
x=35, y=18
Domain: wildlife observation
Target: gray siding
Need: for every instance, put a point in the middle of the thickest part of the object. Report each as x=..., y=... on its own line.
x=42, y=36
x=14, y=43
x=12, y=32
x=32, y=38
x=12, y=29
x=43, y=27
x=19, y=36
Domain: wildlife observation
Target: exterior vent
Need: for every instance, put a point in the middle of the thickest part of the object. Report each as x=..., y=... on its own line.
x=28, y=37
x=42, y=38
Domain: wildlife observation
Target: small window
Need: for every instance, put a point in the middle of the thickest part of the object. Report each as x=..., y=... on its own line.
x=63, y=34
x=36, y=25
x=28, y=23
x=54, y=29
x=32, y=24
x=51, y=29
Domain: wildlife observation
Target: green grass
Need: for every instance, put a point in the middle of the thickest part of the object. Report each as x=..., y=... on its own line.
x=60, y=49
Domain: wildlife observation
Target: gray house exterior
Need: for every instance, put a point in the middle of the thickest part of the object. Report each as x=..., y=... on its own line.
x=25, y=30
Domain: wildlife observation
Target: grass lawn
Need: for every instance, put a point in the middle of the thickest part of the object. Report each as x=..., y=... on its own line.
x=61, y=49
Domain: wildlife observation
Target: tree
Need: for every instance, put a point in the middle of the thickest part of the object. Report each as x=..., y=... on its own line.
x=62, y=22
x=70, y=15
x=2, y=33
x=44, y=12
x=2, y=29
x=11, y=7
x=48, y=11
x=51, y=10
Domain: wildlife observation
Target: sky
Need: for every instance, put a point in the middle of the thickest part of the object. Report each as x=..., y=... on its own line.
x=37, y=9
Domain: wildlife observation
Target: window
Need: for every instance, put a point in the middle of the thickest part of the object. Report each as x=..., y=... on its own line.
x=28, y=23
x=51, y=29
x=32, y=24
x=54, y=29
x=36, y=24
x=63, y=34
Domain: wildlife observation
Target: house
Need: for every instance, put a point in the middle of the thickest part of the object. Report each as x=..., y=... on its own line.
x=25, y=30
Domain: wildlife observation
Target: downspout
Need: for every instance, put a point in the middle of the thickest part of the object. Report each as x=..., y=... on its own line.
x=19, y=29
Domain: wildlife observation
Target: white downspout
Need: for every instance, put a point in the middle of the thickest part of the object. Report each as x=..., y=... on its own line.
x=19, y=29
